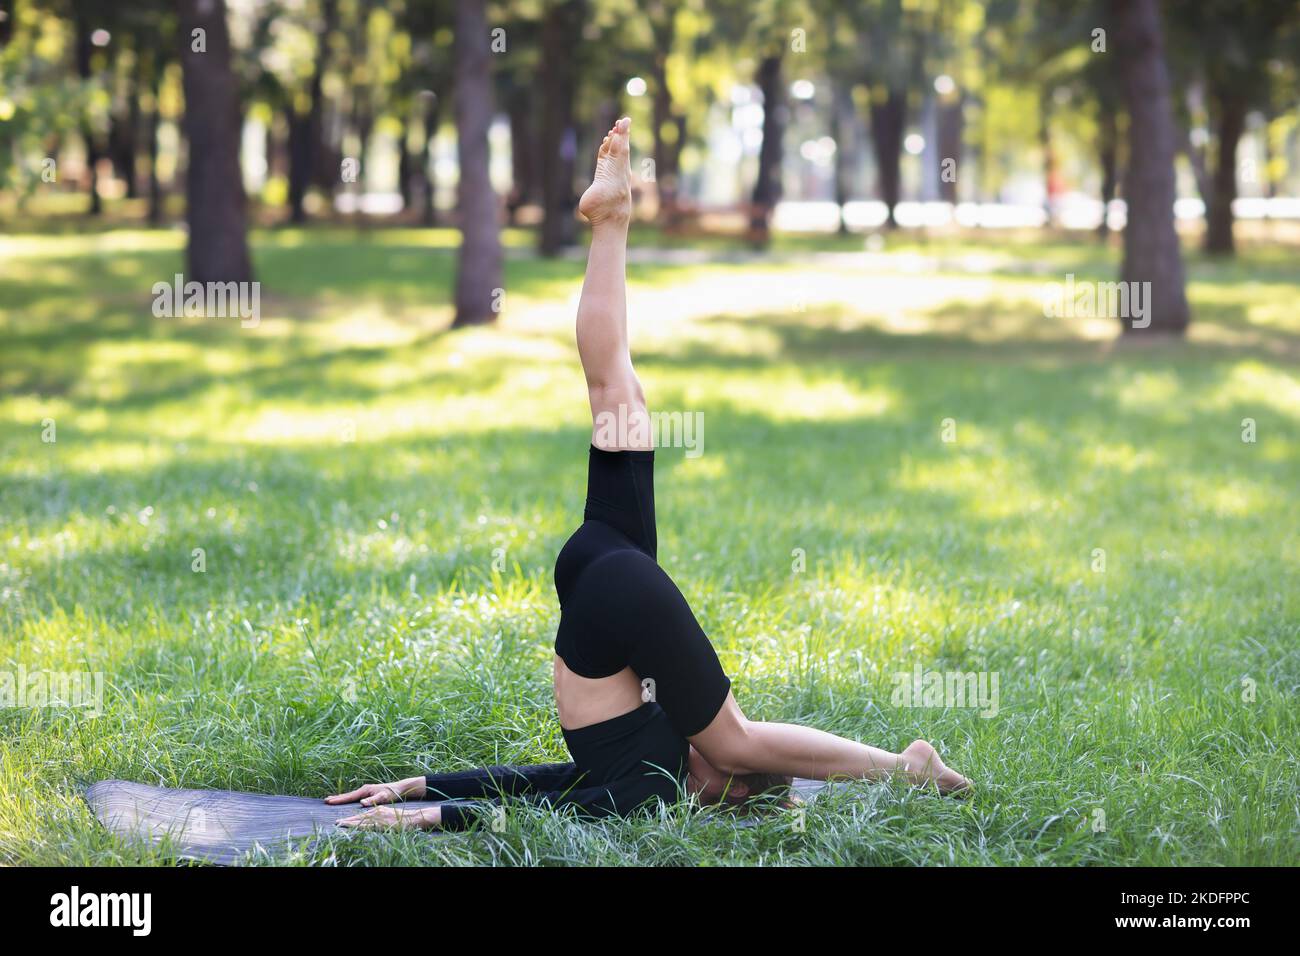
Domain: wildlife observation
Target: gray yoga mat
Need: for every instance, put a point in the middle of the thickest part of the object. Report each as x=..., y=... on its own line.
x=215, y=826
x=221, y=826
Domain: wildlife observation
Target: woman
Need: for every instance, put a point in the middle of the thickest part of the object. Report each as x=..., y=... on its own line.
x=643, y=702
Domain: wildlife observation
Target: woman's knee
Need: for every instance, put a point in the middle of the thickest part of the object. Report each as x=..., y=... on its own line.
x=728, y=742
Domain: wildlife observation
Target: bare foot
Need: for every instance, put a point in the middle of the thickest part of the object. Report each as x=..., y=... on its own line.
x=609, y=197
x=923, y=768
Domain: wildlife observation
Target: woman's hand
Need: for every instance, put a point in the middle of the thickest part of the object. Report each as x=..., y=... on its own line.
x=392, y=818
x=374, y=794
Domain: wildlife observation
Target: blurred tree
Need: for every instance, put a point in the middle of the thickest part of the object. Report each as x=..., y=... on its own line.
x=479, y=284
x=667, y=121
x=1050, y=46
x=771, y=28
x=1151, y=250
x=86, y=17
x=218, y=244
x=1228, y=51
x=767, y=184
x=42, y=101
x=421, y=89
x=561, y=28
x=892, y=41
x=153, y=36
x=309, y=159
x=518, y=93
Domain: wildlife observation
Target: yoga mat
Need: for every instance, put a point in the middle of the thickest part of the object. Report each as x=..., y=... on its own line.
x=221, y=826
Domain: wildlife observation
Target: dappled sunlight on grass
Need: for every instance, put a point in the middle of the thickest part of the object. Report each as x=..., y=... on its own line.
x=379, y=501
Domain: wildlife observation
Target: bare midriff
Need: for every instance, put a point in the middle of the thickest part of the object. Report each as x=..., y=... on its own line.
x=583, y=701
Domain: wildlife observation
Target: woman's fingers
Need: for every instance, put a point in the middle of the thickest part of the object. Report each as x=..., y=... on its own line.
x=386, y=793
x=352, y=796
x=358, y=820
x=382, y=818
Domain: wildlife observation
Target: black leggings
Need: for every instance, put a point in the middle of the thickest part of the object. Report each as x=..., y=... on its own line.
x=618, y=766
x=619, y=609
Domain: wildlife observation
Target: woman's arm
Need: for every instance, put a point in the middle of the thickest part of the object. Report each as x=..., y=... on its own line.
x=617, y=798
x=373, y=794
x=494, y=781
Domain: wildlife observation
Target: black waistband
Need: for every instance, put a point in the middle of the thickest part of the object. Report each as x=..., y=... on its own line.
x=615, y=725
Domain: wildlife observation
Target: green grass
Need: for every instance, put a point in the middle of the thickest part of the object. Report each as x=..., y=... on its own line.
x=351, y=468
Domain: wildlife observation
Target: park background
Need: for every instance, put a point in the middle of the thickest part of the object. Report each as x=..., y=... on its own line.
x=315, y=549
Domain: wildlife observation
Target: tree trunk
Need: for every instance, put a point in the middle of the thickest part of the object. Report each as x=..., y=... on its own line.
x=428, y=174
x=1231, y=108
x=214, y=191
x=307, y=160
x=326, y=151
x=842, y=133
x=300, y=160
x=887, y=119
x=123, y=131
x=405, y=162
x=950, y=122
x=666, y=153
x=478, y=275
x=562, y=23
x=1049, y=159
x=523, y=152
x=1151, y=251
x=1108, y=158
x=84, y=51
x=155, y=188
x=767, y=187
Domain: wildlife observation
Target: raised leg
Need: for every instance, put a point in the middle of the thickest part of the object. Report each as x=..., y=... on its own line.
x=612, y=386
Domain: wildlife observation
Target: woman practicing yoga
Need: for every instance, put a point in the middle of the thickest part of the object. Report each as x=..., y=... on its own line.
x=643, y=702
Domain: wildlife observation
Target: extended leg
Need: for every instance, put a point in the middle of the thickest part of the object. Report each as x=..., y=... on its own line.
x=612, y=385
x=735, y=744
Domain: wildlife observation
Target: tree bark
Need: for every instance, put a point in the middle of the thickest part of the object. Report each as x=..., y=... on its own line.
x=479, y=275
x=842, y=134
x=1218, y=213
x=84, y=52
x=523, y=152
x=888, y=117
x=950, y=123
x=155, y=118
x=428, y=175
x=767, y=187
x=1049, y=158
x=306, y=150
x=214, y=190
x=300, y=161
x=405, y=163
x=1108, y=158
x=562, y=23
x=1151, y=251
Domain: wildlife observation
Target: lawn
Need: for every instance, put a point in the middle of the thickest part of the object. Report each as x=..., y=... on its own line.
x=378, y=502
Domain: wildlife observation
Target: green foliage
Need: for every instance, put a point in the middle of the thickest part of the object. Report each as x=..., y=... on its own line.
x=40, y=99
